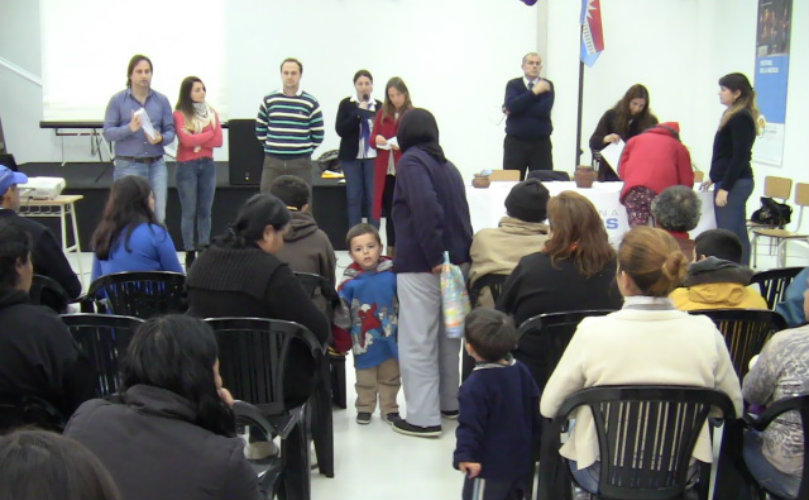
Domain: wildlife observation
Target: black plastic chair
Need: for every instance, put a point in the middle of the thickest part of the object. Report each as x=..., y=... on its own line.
x=253, y=358
x=646, y=436
x=548, y=175
x=318, y=287
x=543, y=339
x=331, y=388
x=141, y=294
x=776, y=410
x=494, y=282
x=103, y=338
x=745, y=332
x=46, y=291
x=23, y=410
x=773, y=283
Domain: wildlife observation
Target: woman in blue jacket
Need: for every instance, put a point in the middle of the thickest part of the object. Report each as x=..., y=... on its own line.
x=129, y=238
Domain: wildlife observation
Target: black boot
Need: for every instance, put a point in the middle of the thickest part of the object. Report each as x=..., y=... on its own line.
x=189, y=259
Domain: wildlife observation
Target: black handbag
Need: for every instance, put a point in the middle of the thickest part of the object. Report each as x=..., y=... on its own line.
x=772, y=213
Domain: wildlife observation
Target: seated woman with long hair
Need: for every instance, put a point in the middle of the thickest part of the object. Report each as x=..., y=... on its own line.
x=129, y=237
x=647, y=342
x=574, y=271
x=171, y=413
x=239, y=275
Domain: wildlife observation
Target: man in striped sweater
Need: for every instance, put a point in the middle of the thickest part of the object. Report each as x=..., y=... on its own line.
x=290, y=126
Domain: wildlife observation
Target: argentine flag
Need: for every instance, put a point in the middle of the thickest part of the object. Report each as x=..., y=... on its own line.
x=592, y=35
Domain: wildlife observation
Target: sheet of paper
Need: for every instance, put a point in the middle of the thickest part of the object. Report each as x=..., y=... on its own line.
x=612, y=153
x=146, y=123
x=393, y=141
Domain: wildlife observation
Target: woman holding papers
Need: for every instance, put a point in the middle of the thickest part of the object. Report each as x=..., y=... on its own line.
x=732, y=150
x=355, y=118
x=386, y=125
x=198, y=132
x=629, y=117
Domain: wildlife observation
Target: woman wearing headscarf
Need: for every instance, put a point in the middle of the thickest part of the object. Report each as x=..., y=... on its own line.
x=431, y=216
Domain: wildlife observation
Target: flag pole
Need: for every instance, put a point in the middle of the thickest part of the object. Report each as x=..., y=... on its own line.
x=579, y=106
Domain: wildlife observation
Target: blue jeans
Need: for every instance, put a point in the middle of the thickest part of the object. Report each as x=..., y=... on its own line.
x=196, y=184
x=359, y=190
x=733, y=216
x=780, y=483
x=158, y=179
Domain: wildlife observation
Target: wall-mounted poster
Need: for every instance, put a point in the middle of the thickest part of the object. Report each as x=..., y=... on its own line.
x=772, y=77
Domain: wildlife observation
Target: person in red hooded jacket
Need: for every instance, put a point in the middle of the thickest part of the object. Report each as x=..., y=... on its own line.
x=651, y=162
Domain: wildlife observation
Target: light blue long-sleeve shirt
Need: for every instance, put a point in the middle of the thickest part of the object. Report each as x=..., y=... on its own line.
x=119, y=114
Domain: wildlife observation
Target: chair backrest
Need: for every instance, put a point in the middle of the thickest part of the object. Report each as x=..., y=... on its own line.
x=543, y=339
x=504, y=175
x=777, y=187
x=802, y=194
x=142, y=294
x=646, y=435
x=493, y=281
x=799, y=404
x=47, y=291
x=548, y=175
x=745, y=332
x=772, y=284
x=24, y=410
x=253, y=356
x=103, y=339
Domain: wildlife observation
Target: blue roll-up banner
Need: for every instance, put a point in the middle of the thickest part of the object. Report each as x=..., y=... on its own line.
x=772, y=77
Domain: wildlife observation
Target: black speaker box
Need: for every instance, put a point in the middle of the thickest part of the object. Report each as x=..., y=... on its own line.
x=246, y=154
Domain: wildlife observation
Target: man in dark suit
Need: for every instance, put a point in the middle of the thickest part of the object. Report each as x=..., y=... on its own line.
x=528, y=105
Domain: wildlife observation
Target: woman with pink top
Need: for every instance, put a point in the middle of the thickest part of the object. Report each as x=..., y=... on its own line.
x=198, y=132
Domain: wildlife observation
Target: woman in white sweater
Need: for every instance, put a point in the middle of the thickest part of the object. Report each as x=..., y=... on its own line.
x=647, y=342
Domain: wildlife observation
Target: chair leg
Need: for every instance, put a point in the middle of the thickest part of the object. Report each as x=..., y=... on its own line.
x=337, y=365
x=322, y=427
x=467, y=365
x=294, y=457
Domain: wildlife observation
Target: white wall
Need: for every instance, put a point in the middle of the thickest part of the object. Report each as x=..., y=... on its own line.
x=456, y=56
x=445, y=51
x=678, y=49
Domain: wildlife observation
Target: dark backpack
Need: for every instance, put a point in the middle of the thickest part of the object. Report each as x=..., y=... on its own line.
x=772, y=213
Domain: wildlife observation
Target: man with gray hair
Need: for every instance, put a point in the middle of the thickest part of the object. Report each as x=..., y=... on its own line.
x=528, y=104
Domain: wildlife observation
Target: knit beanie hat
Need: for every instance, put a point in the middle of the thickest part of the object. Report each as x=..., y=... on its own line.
x=528, y=201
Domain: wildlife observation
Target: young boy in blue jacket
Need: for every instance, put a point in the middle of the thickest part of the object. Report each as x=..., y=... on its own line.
x=368, y=292
x=498, y=425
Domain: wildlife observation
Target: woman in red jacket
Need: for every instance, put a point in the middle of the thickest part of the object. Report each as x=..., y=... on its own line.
x=386, y=124
x=198, y=132
x=651, y=162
